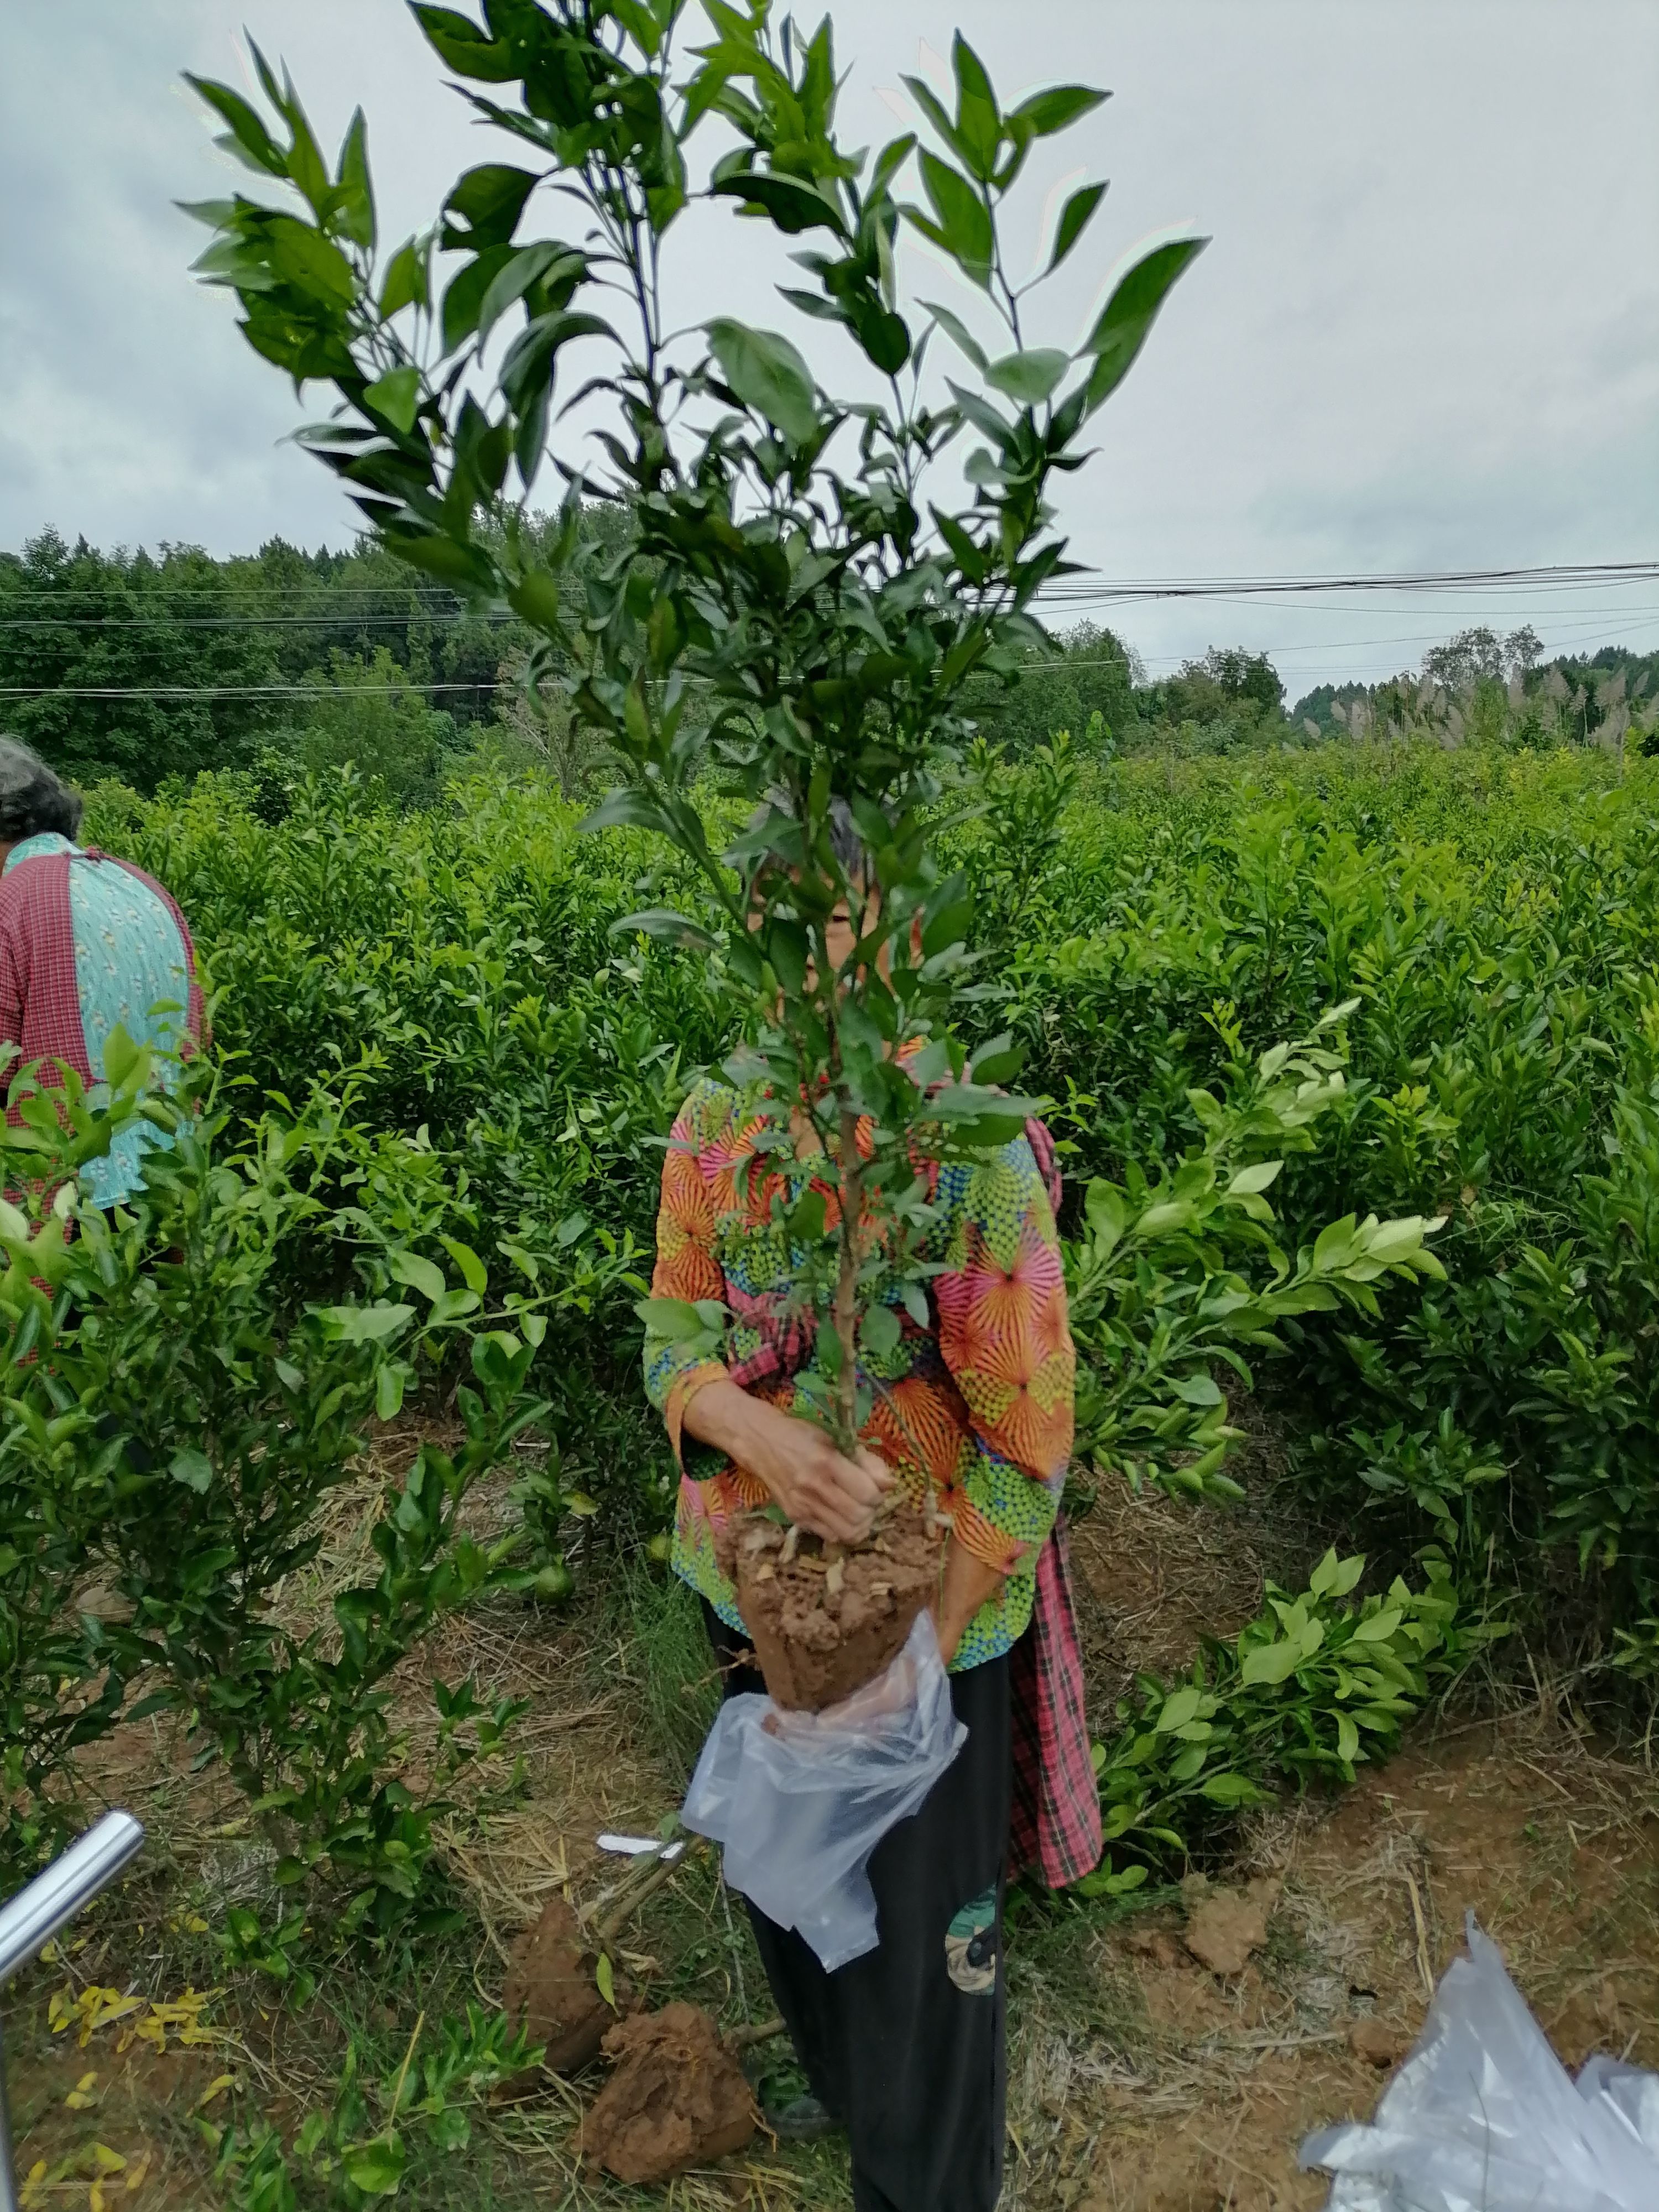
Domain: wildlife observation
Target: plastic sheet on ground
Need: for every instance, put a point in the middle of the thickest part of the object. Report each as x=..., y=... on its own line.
x=801, y=1800
x=1484, y=2117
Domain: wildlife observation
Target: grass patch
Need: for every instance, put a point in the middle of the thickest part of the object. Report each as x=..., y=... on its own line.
x=657, y=1639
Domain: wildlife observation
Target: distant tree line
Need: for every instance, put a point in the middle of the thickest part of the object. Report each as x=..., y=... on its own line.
x=146, y=667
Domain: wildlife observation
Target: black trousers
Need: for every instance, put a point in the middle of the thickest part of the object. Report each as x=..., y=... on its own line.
x=905, y=2045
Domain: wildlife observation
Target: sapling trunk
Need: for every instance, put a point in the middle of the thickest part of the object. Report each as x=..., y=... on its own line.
x=845, y=1314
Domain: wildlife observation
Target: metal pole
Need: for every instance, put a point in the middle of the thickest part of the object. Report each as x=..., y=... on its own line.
x=36, y=1914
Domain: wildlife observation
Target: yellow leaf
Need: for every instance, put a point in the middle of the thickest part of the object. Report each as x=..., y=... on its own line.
x=94, y=2199
x=107, y=2160
x=135, y=2174
x=215, y=2089
x=80, y=2096
x=49, y=1953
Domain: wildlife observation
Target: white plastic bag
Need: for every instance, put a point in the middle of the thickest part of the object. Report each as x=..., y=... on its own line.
x=801, y=1800
x=1484, y=2117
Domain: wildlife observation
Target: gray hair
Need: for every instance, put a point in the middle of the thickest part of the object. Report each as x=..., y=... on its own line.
x=31, y=799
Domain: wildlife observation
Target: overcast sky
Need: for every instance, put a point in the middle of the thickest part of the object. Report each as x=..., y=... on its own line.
x=1426, y=334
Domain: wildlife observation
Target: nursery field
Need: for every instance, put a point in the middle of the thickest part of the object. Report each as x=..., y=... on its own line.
x=343, y=1515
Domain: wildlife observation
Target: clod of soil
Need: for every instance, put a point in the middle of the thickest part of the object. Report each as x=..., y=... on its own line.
x=678, y=2098
x=1377, y=2042
x=1154, y=1944
x=1225, y=1926
x=826, y=1620
x=551, y=1991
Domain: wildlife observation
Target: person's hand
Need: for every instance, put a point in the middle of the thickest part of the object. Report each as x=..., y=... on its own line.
x=833, y=1496
x=820, y=1487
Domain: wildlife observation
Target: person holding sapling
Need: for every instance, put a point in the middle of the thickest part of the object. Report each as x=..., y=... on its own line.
x=970, y=1398
x=859, y=1306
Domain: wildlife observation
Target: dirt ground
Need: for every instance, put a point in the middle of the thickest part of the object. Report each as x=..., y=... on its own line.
x=1140, y=2080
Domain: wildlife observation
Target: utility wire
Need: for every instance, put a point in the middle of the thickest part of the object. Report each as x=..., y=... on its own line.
x=1549, y=577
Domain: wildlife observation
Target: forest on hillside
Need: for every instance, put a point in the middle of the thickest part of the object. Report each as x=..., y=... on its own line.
x=144, y=667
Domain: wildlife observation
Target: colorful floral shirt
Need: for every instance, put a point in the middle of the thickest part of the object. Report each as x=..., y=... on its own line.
x=86, y=943
x=981, y=1401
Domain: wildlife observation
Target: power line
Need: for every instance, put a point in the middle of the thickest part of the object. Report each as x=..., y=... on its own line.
x=346, y=621
x=1557, y=575
x=438, y=598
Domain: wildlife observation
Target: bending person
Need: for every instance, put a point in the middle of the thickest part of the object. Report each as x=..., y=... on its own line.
x=87, y=943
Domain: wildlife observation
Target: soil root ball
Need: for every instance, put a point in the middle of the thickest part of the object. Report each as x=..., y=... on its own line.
x=824, y=1620
x=552, y=1994
x=678, y=2098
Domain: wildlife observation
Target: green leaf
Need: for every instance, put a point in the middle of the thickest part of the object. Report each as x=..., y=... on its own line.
x=1121, y=330
x=357, y=190
x=964, y=224
x=364, y=1324
x=474, y=1274
x=515, y=278
x=1046, y=113
x=1269, y=1663
x=936, y=112
x=767, y=374
x=791, y=203
x=451, y=2129
x=1249, y=1180
x=628, y=807
x=396, y=395
x=879, y=1333
x=419, y=1274
x=1233, y=1790
x=979, y=126
x=192, y=1467
x=1074, y=219
x=405, y=280
x=468, y=568
x=1178, y=1708
x=248, y=131
x=605, y=1980
x=375, y=2167
x=464, y=47
x=1377, y=1627
x=1347, y=1740
x=663, y=921
x=677, y=1319
x=959, y=335
x=1197, y=1389
x=489, y=201
x=1029, y=377
x=122, y=1057
x=535, y=600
